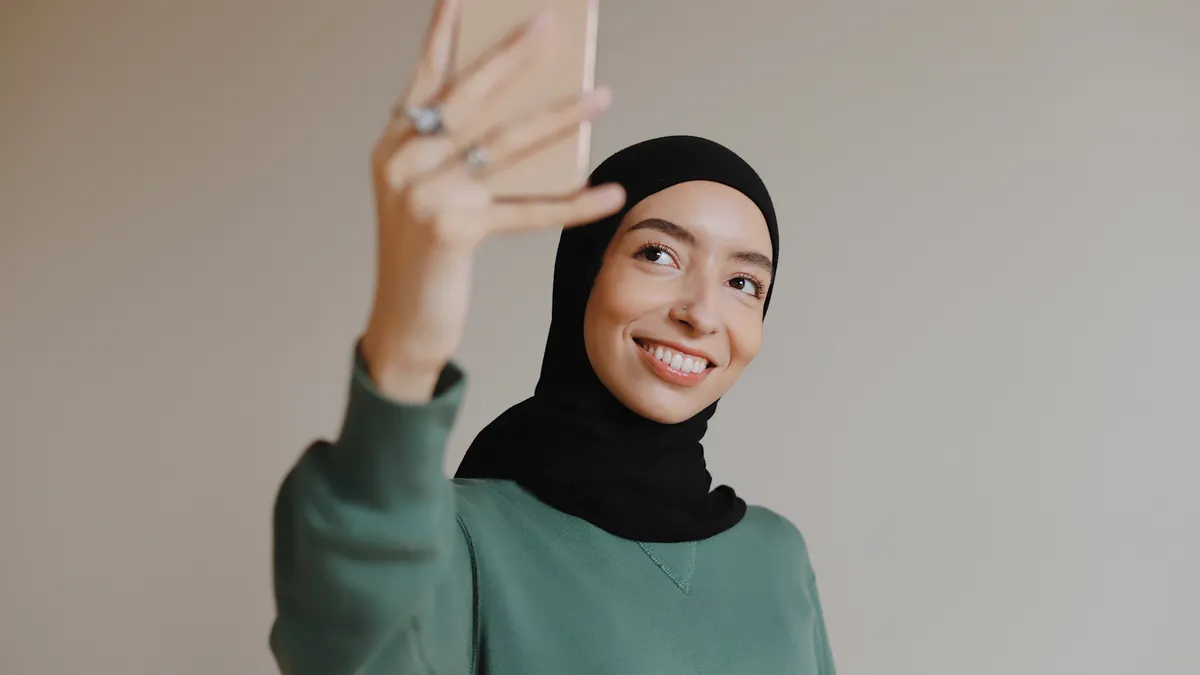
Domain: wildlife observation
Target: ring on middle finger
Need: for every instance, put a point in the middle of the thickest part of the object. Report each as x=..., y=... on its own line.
x=427, y=120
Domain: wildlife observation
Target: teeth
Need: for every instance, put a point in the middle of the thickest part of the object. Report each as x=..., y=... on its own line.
x=684, y=363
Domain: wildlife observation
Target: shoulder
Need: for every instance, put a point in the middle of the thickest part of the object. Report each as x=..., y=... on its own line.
x=479, y=497
x=771, y=531
x=770, y=522
x=499, y=508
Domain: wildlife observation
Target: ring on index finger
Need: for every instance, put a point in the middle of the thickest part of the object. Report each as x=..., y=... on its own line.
x=477, y=158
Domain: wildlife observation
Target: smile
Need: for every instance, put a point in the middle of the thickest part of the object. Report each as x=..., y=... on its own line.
x=674, y=365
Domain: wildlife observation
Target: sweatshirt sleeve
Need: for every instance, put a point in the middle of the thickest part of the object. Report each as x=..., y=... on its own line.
x=372, y=569
x=821, y=639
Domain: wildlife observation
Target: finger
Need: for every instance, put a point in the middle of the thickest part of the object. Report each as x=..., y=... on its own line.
x=510, y=145
x=465, y=105
x=394, y=161
x=433, y=70
x=452, y=55
x=418, y=156
x=589, y=205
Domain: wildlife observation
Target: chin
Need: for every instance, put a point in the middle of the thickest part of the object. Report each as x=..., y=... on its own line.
x=656, y=414
x=658, y=407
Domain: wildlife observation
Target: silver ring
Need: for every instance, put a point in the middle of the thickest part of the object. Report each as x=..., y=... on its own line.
x=477, y=157
x=426, y=120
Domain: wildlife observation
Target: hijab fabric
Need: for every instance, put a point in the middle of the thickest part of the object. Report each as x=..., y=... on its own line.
x=572, y=444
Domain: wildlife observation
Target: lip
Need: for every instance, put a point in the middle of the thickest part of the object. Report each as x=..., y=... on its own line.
x=664, y=372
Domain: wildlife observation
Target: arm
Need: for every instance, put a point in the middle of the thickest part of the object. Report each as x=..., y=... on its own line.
x=372, y=572
x=824, y=652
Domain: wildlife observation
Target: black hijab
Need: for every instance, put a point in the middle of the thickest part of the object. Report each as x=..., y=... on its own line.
x=573, y=444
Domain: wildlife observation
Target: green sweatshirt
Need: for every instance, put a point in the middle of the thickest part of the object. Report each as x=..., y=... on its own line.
x=383, y=566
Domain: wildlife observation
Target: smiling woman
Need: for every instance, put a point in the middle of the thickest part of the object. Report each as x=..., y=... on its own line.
x=612, y=435
x=582, y=533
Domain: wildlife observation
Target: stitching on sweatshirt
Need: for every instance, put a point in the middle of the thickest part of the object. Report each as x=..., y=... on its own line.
x=684, y=584
x=462, y=525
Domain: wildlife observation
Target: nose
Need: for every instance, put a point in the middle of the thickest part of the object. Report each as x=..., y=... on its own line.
x=697, y=312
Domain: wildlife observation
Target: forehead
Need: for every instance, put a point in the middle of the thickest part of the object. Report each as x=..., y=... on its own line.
x=717, y=214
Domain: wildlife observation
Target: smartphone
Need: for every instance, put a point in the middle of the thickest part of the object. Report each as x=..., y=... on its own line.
x=560, y=167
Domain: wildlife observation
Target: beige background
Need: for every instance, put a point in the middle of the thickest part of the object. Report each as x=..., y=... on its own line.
x=979, y=396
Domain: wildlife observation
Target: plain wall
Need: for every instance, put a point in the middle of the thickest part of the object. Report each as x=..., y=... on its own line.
x=981, y=384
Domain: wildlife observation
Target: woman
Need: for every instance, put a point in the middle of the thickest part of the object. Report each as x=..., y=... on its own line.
x=580, y=535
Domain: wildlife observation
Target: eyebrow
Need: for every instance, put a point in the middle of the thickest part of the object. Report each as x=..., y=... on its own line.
x=685, y=235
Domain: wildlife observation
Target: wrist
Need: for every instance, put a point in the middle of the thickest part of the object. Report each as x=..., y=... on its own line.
x=399, y=378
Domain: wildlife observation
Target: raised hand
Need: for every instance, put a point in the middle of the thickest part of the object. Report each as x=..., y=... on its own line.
x=431, y=168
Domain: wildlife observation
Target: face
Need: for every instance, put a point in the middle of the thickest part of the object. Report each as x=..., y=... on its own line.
x=676, y=312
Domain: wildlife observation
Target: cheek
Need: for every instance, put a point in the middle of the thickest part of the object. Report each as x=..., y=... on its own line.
x=745, y=339
x=609, y=311
x=620, y=296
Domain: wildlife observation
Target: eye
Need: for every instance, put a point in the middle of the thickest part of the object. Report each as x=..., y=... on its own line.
x=747, y=285
x=656, y=254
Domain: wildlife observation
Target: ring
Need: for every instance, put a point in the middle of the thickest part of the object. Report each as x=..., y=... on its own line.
x=426, y=120
x=477, y=157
